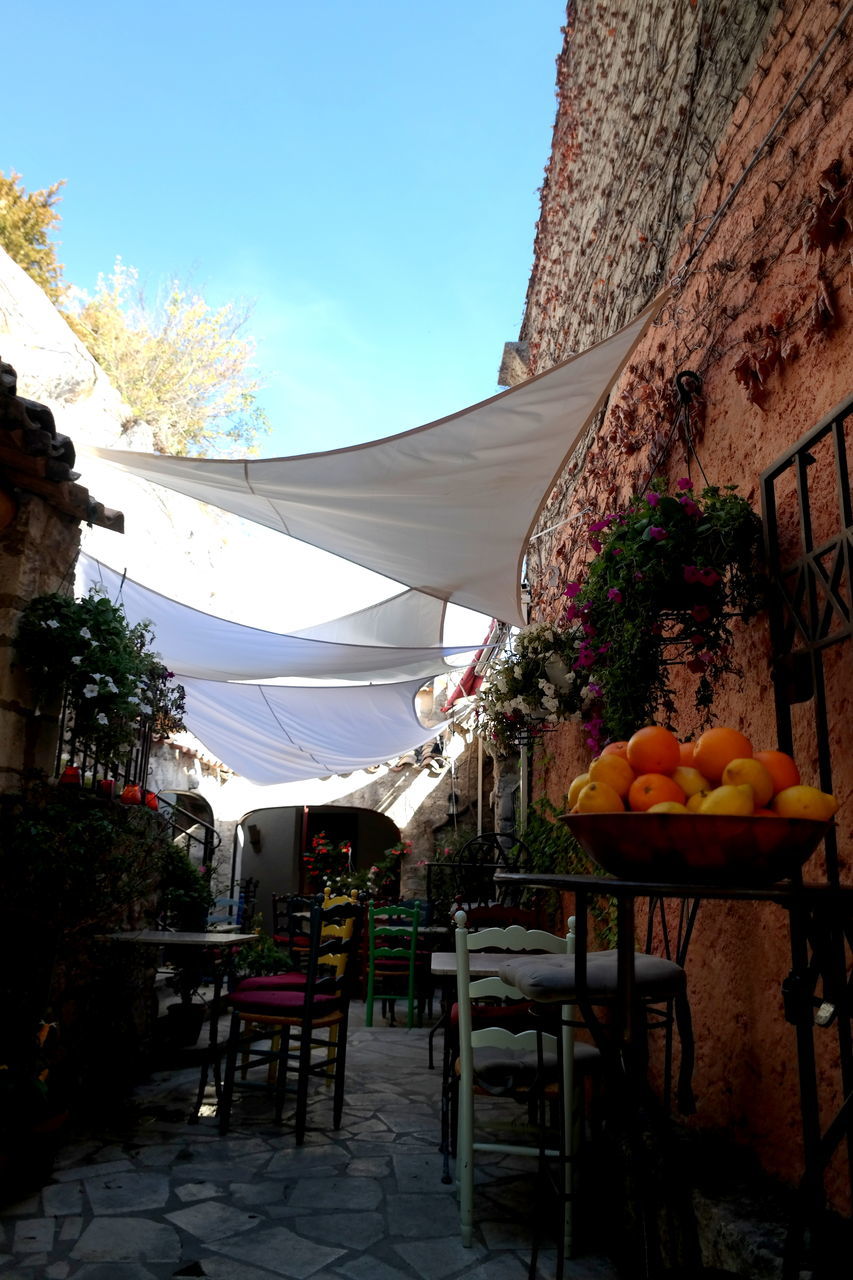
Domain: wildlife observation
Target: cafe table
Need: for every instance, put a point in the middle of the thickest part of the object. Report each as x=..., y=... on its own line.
x=816, y=992
x=221, y=943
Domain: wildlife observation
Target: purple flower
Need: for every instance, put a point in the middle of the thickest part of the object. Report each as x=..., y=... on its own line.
x=595, y=689
x=597, y=526
x=572, y=589
x=638, y=577
x=571, y=612
x=691, y=574
x=656, y=533
x=653, y=498
x=700, y=613
x=595, y=544
x=685, y=483
x=708, y=577
x=690, y=507
x=586, y=656
x=616, y=551
x=614, y=594
x=588, y=629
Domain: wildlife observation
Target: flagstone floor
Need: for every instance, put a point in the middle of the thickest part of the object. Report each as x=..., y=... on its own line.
x=155, y=1197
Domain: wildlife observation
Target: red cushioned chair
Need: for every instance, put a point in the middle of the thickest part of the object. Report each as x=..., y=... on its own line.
x=316, y=1011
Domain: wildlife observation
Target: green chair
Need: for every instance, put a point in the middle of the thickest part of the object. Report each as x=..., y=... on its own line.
x=392, y=958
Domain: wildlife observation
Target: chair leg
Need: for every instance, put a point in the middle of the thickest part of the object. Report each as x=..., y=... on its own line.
x=340, y=1071
x=228, y=1080
x=465, y=1165
x=281, y=1047
x=305, y=1045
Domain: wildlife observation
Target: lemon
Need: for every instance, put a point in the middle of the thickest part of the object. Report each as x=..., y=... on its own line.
x=668, y=806
x=576, y=788
x=598, y=797
x=690, y=780
x=751, y=773
x=805, y=802
x=728, y=799
x=694, y=802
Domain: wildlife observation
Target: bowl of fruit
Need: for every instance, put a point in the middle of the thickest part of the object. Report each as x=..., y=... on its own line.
x=709, y=812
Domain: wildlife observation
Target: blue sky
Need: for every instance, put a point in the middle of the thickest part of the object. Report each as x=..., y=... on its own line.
x=367, y=173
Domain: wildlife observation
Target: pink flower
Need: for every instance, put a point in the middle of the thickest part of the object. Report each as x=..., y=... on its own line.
x=616, y=551
x=691, y=574
x=614, y=594
x=595, y=544
x=656, y=533
x=708, y=577
x=685, y=483
x=572, y=589
x=571, y=612
x=653, y=499
x=690, y=507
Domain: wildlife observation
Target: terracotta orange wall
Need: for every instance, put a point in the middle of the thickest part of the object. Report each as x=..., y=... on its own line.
x=752, y=273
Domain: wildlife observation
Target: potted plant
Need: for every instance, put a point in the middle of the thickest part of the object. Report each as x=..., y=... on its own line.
x=112, y=681
x=532, y=687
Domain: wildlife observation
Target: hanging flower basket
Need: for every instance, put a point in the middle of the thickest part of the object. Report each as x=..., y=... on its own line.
x=669, y=576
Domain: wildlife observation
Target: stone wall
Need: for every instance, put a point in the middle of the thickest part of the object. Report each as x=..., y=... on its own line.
x=761, y=309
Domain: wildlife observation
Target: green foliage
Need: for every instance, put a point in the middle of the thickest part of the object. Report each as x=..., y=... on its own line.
x=182, y=366
x=112, y=680
x=257, y=959
x=553, y=850
x=26, y=221
x=185, y=894
x=669, y=575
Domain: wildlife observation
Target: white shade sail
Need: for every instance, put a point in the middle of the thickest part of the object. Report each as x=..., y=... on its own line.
x=270, y=733
x=446, y=508
x=193, y=643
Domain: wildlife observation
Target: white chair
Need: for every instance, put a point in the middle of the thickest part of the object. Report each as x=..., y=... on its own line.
x=522, y=1063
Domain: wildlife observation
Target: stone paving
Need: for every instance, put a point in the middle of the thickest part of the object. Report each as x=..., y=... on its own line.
x=155, y=1197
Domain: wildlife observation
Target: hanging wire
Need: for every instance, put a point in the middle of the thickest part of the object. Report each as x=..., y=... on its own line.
x=688, y=385
x=766, y=142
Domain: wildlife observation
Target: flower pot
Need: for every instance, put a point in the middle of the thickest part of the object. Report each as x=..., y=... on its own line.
x=559, y=674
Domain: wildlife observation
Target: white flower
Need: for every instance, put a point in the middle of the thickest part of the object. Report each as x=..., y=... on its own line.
x=52, y=623
x=145, y=708
x=113, y=688
x=76, y=661
x=90, y=691
x=101, y=718
x=134, y=701
x=85, y=633
x=97, y=675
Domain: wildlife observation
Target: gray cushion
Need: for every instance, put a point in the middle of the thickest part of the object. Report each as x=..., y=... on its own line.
x=507, y=1070
x=552, y=977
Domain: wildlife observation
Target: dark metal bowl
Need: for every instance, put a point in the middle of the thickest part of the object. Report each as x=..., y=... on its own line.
x=695, y=848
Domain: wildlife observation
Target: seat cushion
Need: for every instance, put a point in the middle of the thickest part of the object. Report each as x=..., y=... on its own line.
x=287, y=1003
x=511, y=1070
x=552, y=977
x=270, y=982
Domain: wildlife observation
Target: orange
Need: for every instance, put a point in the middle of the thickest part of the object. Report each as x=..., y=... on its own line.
x=686, y=750
x=716, y=747
x=805, y=802
x=613, y=770
x=615, y=749
x=753, y=773
x=597, y=797
x=653, y=788
x=781, y=768
x=653, y=749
